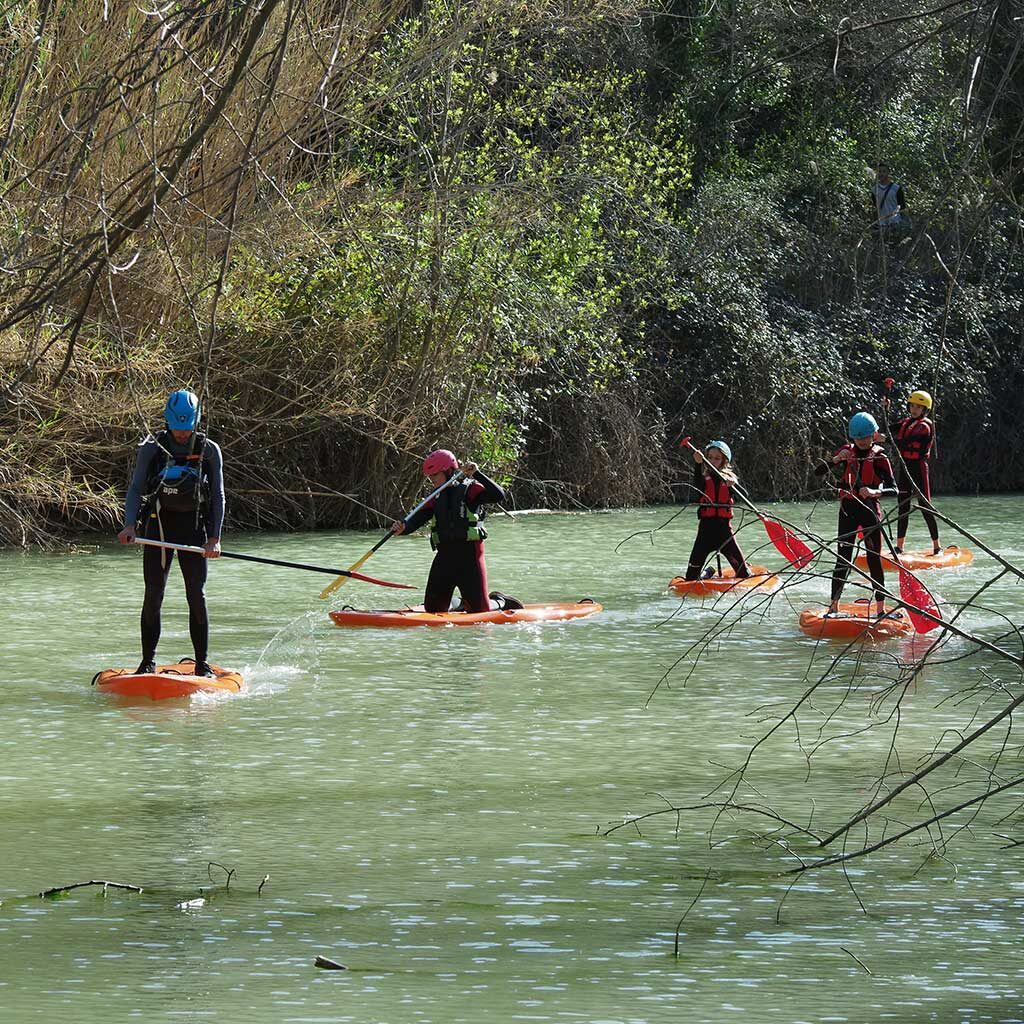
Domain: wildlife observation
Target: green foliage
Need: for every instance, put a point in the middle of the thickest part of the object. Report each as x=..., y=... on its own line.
x=788, y=310
x=545, y=234
x=505, y=216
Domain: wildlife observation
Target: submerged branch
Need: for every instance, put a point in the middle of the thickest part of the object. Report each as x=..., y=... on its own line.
x=80, y=885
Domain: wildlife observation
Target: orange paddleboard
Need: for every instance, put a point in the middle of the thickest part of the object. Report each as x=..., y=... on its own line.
x=855, y=619
x=760, y=579
x=950, y=558
x=418, y=617
x=167, y=681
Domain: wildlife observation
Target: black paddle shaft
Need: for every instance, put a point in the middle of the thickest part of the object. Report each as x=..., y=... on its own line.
x=287, y=565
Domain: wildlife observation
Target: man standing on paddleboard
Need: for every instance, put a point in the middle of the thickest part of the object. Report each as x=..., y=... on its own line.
x=176, y=496
x=866, y=474
x=713, y=480
x=915, y=437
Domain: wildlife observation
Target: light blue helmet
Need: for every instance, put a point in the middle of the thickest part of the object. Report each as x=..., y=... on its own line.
x=862, y=424
x=182, y=411
x=722, y=447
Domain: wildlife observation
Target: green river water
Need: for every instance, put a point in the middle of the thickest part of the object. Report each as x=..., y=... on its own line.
x=430, y=804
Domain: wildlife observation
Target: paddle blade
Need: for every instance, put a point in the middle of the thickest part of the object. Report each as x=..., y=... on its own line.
x=334, y=584
x=332, y=587
x=380, y=583
x=789, y=545
x=916, y=597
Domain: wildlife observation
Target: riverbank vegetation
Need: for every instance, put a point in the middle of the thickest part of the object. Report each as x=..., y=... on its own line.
x=552, y=236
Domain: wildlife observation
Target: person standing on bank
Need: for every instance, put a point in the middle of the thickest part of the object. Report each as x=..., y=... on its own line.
x=176, y=495
x=890, y=202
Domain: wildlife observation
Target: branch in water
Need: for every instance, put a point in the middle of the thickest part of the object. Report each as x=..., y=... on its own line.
x=79, y=885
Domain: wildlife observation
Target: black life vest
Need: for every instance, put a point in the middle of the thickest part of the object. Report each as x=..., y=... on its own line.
x=178, y=482
x=914, y=436
x=454, y=520
x=716, y=501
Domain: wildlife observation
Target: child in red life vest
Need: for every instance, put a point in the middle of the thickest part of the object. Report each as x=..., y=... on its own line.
x=457, y=535
x=865, y=476
x=713, y=479
x=914, y=436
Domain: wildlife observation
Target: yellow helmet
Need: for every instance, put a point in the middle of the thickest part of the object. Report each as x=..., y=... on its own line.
x=920, y=398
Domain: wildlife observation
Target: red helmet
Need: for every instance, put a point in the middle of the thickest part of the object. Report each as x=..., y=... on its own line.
x=439, y=462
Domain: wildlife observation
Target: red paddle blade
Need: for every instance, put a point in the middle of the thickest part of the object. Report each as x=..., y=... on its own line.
x=917, y=599
x=789, y=545
x=380, y=583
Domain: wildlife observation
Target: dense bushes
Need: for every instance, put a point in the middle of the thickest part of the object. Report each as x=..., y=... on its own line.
x=549, y=235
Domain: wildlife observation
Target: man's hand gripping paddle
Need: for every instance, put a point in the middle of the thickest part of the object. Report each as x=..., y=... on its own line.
x=334, y=584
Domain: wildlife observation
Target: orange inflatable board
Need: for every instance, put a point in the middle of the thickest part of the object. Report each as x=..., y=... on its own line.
x=950, y=558
x=855, y=619
x=167, y=681
x=759, y=579
x=418, y=617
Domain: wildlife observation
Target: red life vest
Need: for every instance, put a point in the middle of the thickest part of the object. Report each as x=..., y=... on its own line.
x=871, y=471
x=914, y=436
x=716, y=502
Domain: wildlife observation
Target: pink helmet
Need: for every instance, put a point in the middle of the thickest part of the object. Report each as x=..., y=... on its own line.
x=439, y=462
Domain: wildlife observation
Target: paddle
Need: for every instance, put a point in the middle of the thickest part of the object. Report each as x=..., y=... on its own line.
x=272, y=561
x=788, y=544
x=913, y=593
x=333, y=586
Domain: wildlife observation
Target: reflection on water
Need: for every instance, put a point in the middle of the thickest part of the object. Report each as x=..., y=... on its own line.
x=429, y=805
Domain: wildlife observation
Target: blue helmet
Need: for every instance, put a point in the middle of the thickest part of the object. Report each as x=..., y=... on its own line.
x=862, y=424
x=182, y=411
x=722, y=447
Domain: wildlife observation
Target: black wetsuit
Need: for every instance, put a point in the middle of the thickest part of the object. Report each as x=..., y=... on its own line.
x=714, y=524
x=915, y=437
x=192, y=527
x=459, y=541
x=872, y=469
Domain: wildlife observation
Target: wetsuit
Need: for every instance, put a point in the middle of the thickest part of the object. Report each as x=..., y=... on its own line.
x=872, y=469
x=714, y=524
x=178, y=525
x=458, y=539
x=915, y=437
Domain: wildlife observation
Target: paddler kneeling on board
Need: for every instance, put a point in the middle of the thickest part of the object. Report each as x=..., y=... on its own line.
x=457, y=535
x=713, y=479
x=866, y=475
x=176, y=495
